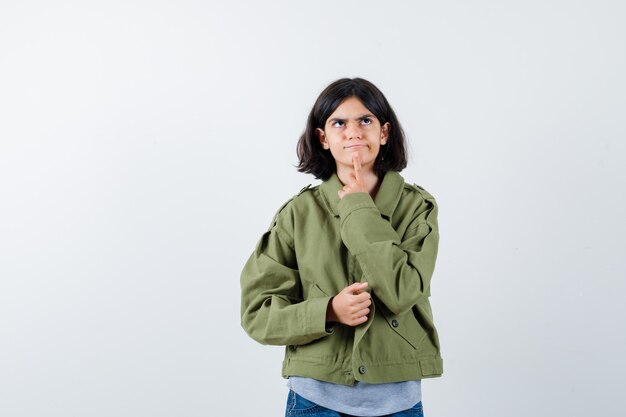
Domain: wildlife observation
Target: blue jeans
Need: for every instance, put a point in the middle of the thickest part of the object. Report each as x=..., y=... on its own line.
x=299, y=406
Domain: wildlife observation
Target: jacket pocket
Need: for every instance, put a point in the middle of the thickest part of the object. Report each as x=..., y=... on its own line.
x=323, y=348
x=314, y=291
x=404, y=325
x=423, y=314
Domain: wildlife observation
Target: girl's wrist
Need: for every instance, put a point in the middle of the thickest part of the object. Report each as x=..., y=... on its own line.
x=330, y=312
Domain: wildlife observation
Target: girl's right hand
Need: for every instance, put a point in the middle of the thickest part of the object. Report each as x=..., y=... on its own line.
x=350, y=306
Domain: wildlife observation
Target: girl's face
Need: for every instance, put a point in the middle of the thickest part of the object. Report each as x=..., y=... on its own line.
x=353, y=128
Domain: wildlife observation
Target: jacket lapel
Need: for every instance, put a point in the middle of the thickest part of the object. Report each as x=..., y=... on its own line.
x=386, y=200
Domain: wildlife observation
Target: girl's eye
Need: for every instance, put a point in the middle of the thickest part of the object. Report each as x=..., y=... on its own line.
x=366, y=121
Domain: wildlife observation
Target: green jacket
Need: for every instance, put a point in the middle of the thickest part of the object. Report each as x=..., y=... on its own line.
x=317, y=245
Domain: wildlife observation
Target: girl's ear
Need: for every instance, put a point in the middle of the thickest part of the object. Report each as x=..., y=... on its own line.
x=322, y=137
x=384, y=133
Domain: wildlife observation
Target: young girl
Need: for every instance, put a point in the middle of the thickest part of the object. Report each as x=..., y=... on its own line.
x=342, y=276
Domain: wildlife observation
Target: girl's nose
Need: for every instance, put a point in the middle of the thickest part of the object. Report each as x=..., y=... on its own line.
x=353, y=130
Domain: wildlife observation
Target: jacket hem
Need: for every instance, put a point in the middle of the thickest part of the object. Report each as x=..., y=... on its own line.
x=343, y=372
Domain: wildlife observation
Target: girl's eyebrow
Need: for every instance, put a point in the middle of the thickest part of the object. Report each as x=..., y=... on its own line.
x=337, y=119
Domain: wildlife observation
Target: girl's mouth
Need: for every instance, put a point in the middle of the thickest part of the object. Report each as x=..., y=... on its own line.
x=356, y=146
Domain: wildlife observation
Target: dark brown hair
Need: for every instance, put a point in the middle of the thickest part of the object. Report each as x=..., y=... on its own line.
x=316, y=160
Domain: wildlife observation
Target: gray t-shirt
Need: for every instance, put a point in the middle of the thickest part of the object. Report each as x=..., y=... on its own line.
x=361, y=399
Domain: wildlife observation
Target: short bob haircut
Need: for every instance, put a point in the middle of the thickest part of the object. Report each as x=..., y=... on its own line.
x=316, y=160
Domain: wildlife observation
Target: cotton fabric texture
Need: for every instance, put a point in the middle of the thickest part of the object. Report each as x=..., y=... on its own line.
x=316, y=245
x=361, y=399
x=300, y=406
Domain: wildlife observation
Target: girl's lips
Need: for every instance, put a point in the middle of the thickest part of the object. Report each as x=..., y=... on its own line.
x=359, y=145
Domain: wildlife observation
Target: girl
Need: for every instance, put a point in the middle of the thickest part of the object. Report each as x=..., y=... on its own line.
x=342, y=276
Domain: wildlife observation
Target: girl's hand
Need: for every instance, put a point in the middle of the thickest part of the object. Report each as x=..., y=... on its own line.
x=355, y=183
x=350, y=306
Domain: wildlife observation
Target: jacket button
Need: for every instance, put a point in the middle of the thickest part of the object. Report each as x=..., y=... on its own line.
x=362, y=369
x=394, y=323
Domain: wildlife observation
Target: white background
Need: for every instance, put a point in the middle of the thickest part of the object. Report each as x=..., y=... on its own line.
x=145, y=146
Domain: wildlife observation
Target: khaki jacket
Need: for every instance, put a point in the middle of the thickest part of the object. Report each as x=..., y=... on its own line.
x=317, y=245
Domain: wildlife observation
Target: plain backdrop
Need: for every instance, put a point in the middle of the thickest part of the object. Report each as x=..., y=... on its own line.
x=146, y=145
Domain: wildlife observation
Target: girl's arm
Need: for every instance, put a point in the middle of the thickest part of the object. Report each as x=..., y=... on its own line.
x=272, y=309
x=398, y=269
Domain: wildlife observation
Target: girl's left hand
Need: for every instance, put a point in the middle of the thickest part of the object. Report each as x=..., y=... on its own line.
x=355, y=183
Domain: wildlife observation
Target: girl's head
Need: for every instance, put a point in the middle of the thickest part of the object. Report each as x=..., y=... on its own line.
x=328, y=141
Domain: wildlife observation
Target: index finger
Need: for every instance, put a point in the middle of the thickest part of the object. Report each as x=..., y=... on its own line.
x=356, y=287
x=362, y=296
x=356, y=161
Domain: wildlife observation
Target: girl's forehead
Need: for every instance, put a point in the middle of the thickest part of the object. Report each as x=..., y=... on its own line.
x=350, y=107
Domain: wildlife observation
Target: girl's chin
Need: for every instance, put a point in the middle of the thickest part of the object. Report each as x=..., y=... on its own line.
x=347, y=162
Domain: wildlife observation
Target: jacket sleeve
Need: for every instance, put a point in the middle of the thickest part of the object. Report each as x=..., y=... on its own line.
x=398, y=269
x=272, y=309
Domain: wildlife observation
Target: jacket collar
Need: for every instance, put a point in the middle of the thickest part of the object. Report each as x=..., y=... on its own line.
x=386, y=200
